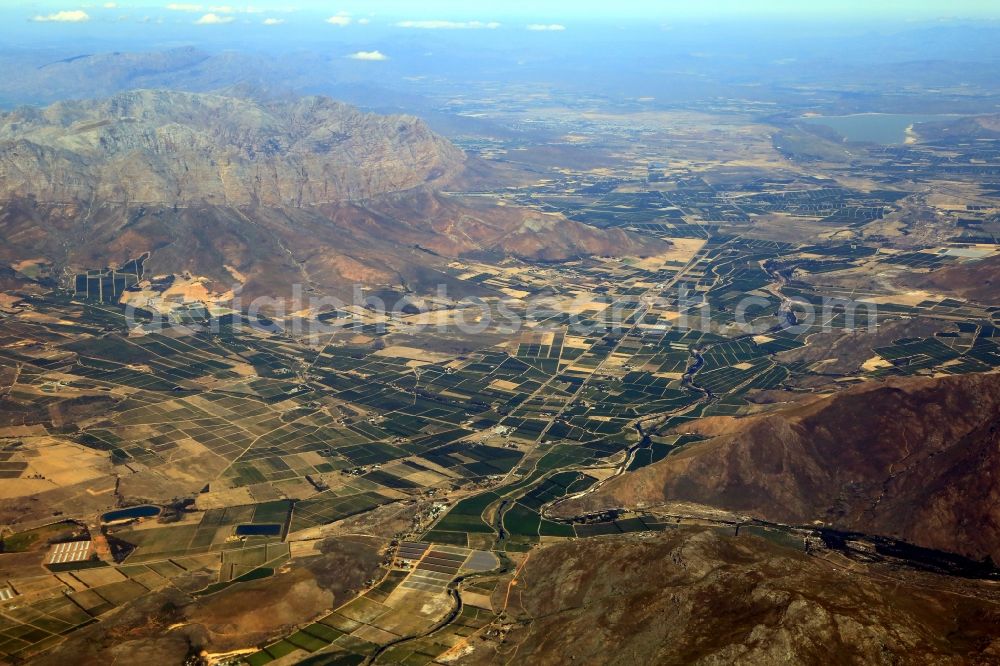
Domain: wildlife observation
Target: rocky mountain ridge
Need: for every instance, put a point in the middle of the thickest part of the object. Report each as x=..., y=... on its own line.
x=916, y=459
x=179, y=148
x=305, y=191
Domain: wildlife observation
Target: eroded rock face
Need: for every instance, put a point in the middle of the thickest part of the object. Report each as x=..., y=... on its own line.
x=178, y=148
x=915, y=458
x=696, y=596
x=309, y=192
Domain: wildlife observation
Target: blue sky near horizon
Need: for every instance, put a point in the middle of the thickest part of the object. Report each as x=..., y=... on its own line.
x=67, y=11
x=681, y=49
x=385, y=30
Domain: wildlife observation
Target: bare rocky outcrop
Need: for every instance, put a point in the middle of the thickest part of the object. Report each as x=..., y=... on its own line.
x=177, y=148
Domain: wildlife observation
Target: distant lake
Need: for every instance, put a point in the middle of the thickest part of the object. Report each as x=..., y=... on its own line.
x=884, y=128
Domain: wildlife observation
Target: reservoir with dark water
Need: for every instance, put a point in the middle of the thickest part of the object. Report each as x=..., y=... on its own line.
x=144, y=511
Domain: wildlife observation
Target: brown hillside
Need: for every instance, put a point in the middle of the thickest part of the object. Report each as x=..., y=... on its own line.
x=694, y=596
x=916, y=459
x=977, y=281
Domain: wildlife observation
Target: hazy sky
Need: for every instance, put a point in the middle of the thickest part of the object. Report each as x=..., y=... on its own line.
x=682, y=48
x=231, y=11
x=380, y=30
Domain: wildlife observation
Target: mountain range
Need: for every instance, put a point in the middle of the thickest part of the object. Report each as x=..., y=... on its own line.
x=269, y=193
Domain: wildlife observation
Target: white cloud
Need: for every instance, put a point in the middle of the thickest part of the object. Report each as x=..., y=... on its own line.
x=76, y=16
x=449, y=25
x=184, y=7
x=341, y=19
x=364, y=21
x=368, y=55
x=546, y=27
x=273, y=21
x=110, y=5
x=214, y=19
